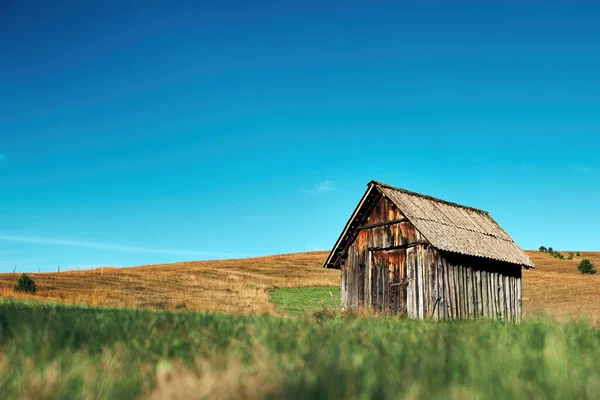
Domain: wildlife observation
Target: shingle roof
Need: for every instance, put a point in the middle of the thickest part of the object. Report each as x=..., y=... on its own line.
x=456, y=228
x=447, y=226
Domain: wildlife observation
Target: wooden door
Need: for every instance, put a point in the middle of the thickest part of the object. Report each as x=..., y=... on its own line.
x=388, y=274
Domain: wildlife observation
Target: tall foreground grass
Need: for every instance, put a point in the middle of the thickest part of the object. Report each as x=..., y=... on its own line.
x=58, y=351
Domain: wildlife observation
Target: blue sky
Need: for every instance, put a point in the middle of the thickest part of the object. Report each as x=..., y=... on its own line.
x=133, y=135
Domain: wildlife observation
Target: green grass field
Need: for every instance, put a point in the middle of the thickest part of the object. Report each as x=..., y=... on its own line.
x=302, y=300
x=56, y=351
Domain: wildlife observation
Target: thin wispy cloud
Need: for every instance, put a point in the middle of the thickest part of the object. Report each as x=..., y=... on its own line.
x=320, y=188
x=27, y=261
x=582, y=168
x=109, y=246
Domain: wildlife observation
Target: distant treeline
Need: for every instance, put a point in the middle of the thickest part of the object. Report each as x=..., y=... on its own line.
x=557, y=254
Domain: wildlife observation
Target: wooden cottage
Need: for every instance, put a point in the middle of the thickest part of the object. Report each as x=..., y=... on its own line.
x=407, y=253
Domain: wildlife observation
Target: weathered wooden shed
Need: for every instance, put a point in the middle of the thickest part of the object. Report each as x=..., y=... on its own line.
x=408, y=253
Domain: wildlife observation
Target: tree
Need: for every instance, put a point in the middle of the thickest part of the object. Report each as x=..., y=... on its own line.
x=550, y=250
x=26, y=284
x=543, y=249
x=571, y=255
x=586, y=267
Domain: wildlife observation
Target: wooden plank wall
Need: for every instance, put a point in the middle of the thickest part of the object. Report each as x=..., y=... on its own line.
x=467, y=291
x=439, y=286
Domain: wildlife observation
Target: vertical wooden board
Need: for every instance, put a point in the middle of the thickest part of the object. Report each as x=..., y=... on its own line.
x=425, y=269
x=474, y=290
x=465, y=306
x=468, y=292
x=455, y=307
x=450, y=291
x=410, y=284
x=442, y=289
x=361, y=284
x=498, y=302
x=377, y=286
x=343, y=289
x=493, y=300
x=501, y=303
x=484, y=294
x=454, y=291
x=351, y=279
x=438, y=287
x=380, y=288
x=509, y=297
x=463, y=293
x=519, y=299
x=421, y=284
x=478, y=293
x=407, y=287
x=355, y=280
x=498, y=292
x=513, y=297
x=368, y=272
x=385, y=282
x=373, y=280
x=517, y=308
x=457, y=291
x=507, y=292
x=402, y=278
x=393, y=279
x=417, y=278
x=490, y=299
x=501, y=296
x=446, y=293
x=416, y=294
x=350, y=274
x=436, y=283
x=493, y=294
x=432, y=282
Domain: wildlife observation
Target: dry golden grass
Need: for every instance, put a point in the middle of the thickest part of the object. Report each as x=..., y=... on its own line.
x=242, y=286
x=231, y=286
x=559, y=290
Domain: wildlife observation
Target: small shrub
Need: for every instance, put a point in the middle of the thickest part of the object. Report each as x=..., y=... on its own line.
x=543, y=249
x=578, y=254
x=586, y=267
x=571, y=255
x=26, y=284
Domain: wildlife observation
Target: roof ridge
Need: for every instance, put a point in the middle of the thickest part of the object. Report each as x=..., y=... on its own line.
x=428, y=197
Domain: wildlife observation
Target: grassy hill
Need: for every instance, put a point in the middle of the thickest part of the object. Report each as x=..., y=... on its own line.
x=244, y=286
x=53, y=350
x=49, y=351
